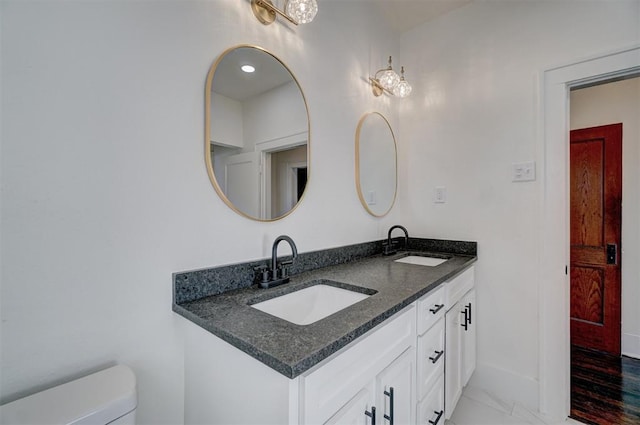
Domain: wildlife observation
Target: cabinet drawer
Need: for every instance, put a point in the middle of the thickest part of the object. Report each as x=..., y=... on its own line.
x=431, y=308
x=337, y=380
x=430, y=358
x=458, y=286
x=431, y=408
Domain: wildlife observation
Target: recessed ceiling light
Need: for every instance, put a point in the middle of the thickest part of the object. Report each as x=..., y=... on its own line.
x=247, y=68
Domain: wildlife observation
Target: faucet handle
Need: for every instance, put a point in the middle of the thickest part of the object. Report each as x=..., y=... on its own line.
x=284, y=272
x=389, y=248
x=262, y=273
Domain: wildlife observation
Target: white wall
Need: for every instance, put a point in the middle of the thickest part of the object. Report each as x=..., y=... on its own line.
x=474, y=111
x=272, y=115
x=104, y=187
x=226, y=121
x=608, y=104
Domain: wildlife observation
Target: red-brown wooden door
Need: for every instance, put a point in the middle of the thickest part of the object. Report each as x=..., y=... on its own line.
x=596, y=201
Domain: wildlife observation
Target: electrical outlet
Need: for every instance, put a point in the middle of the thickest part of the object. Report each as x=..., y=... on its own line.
x=440, y=195
x=523, y=171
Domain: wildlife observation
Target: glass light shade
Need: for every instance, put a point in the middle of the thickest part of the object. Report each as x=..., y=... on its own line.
x=403, y=89
x=302, y=11
x=389, y=79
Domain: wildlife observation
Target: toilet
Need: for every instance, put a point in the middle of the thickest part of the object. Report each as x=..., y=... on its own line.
x=105, y=397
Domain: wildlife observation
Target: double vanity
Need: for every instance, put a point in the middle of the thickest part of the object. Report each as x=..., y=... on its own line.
x=381, y=332
x=354, y=337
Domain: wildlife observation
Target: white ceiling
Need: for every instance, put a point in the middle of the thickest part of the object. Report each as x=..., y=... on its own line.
x=402, y=15
x=231, y=82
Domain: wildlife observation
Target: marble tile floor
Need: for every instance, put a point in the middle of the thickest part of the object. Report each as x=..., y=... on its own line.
x=477, y=407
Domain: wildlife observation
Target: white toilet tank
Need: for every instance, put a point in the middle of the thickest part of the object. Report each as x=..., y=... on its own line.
x=105, y=397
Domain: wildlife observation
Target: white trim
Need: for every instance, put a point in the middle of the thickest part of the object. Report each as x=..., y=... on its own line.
x=271, y=146
x=631, y=345
x=281, y=143
x=265, y=184
x=553, y=244
x=292, y=181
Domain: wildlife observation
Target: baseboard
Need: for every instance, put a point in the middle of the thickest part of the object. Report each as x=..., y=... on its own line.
x=631, y=345
x=506, y=385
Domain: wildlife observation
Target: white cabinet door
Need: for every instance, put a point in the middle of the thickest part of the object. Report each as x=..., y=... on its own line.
x=460, y=336
x=391, y=402
x=395, y=390
x=453, y=358
x=327, y=389
x=468, y=349
x=355, y=411
x=460, y=349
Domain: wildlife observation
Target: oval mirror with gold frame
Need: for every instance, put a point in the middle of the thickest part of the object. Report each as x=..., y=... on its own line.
x=256, y=133
x=376, y=164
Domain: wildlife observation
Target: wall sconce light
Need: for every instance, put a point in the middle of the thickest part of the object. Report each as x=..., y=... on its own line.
x=387, y=81
x=296, y=11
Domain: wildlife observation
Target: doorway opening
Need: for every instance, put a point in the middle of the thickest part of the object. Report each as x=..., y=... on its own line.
x=554, y=242
x=604, y=211
x=300, y=180
x=286, y=178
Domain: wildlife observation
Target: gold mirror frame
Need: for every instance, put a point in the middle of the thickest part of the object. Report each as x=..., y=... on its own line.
x=361, y=196
x=208, y=150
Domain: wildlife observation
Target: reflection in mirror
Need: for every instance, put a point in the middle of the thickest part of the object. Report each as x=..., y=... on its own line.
x=257, y=133
x=376, y=163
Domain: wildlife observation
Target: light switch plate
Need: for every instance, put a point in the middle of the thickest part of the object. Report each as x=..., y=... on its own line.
x=372, y=197
x=524, y=171
x=440, y=195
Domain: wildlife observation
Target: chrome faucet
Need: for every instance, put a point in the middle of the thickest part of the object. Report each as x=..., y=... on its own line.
x=388, y=248
x=278, y=274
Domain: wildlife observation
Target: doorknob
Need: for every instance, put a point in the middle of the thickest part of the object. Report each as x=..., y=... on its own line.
x=612, y=253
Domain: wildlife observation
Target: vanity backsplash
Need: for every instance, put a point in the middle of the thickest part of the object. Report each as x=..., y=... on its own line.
x=192, y=285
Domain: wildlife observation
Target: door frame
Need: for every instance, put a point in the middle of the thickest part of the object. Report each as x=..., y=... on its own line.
x=292, y=180
x=268, y=147
x=553, y=215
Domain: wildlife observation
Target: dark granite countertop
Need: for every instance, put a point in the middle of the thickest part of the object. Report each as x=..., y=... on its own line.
x=292, y=349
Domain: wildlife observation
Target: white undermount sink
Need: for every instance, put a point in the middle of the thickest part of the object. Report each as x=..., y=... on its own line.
x=310, y=304
x=421, y=260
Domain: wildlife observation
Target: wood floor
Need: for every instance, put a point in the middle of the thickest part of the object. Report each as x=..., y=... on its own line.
x=605, y=390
